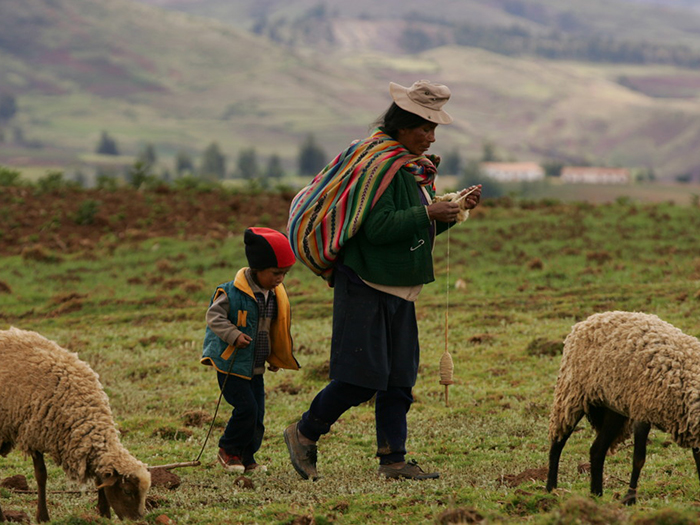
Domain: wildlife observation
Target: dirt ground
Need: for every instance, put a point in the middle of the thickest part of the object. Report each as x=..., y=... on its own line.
x=69, y=220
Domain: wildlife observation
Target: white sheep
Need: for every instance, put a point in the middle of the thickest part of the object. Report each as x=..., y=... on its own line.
x=52, y=403
x=626, y=372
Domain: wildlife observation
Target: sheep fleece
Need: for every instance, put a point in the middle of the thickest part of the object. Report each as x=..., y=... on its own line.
x=637, y=365
x=53, y=402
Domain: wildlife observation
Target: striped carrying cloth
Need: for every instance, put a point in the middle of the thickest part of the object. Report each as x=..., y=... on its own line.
x=331, y=209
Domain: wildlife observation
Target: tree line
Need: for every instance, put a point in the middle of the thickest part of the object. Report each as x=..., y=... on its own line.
x=518, y=41
x=212, y=163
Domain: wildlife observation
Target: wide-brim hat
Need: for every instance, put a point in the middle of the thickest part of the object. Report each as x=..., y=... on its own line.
x=423, y=98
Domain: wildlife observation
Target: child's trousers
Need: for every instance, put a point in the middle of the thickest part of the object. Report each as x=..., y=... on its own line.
x=244, y=431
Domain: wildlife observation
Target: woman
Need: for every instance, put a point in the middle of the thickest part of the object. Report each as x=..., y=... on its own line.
x=377, y=275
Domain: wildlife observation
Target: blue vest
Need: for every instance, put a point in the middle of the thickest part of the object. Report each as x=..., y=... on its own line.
x=243, y=312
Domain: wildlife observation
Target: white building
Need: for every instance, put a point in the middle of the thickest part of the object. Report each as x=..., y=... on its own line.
x=593, y=175
x=513, y=171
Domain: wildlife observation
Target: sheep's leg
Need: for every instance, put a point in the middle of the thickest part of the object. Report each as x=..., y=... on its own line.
x=612, y=424
x=42, y=511
x=103, y=504
x=696, y=457
x=641, y=433
x=554, y=455
x=2, y=516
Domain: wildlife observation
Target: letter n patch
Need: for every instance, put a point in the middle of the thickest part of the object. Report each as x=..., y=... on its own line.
x=242, y=318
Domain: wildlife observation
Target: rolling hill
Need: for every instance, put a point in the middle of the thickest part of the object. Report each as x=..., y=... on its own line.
x=665, y=22
x=181, y=81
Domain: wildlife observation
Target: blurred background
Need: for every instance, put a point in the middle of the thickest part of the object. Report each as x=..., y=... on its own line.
x=549, y=98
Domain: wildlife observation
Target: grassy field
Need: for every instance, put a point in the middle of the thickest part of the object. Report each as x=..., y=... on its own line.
x=529, y=270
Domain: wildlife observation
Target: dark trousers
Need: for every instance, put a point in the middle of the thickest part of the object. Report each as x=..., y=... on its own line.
x=375, y=336
x=244, y=432
x=391, y=407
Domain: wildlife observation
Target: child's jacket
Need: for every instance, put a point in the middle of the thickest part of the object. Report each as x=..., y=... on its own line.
x=243, y=312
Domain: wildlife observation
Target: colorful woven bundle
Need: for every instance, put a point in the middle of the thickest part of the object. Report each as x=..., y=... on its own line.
x=331, y=209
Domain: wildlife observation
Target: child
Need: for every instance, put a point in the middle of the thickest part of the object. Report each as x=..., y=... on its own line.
x=248, y=323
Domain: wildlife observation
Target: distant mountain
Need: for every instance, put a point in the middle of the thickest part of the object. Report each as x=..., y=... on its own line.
x=118, y=48
x=542, y=25
x=266, y=73
x=147, y=75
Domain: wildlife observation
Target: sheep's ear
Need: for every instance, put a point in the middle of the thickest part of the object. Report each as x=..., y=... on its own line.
x=108, y=480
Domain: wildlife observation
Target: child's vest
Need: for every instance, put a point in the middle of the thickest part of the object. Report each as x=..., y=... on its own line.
x=243, y=312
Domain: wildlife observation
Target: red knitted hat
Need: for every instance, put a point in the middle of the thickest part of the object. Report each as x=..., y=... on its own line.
x=267, y=248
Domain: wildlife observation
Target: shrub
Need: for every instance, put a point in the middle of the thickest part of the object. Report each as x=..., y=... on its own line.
x=54, y=181
x=107, y=182
x=9, y=177
x=194, y=183
x=87, y=211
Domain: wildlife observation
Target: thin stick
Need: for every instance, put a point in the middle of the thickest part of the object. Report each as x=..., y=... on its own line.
x=171, y=465
x=447, y=287
x=194, y=463
x=447, y=308
x=23, y=491
x=216, y=411
x=468, y=193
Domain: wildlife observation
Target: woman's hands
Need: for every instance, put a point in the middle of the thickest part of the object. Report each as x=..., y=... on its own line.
x=443, y=211
x=473, y=196
x=447, y=211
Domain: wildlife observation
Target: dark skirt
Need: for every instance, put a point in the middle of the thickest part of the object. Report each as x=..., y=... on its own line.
x=375, y=337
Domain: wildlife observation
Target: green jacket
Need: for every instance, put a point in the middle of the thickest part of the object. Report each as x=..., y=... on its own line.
x=243, y=312
x=393, y=246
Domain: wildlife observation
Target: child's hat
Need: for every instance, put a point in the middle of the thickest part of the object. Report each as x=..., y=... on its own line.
x=267, y=248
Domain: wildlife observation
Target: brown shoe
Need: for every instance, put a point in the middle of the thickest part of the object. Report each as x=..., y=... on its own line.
x=406, y=470
x=230, y=463
x=303, y=456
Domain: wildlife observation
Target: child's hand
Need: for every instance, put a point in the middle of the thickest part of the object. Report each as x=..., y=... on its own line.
x=242, y=341
x=273, y=368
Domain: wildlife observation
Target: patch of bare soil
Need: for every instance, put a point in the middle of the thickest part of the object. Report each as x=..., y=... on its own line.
x=18, y=482
x=71, y=220
x=531, y=474
x=196, y=418
x=460, y=516
x=543, y=346
x=16, y=516
x=161, y=477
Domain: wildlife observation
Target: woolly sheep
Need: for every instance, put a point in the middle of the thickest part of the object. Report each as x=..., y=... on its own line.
x=626, y=372
x=52, y=403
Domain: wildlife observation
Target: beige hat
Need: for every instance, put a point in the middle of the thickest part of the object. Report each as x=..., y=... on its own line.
x=424, y=99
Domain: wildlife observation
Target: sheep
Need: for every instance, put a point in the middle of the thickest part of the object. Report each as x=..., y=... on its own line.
x=626, y=372
x=52, y=403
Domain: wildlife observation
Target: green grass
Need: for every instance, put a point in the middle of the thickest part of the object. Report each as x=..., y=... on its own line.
x=136, y=314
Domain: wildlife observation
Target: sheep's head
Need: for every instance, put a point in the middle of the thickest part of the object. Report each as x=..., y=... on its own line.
x=126, y=494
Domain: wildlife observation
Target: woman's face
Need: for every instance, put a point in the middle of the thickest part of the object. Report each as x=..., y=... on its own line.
x=417, y=140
